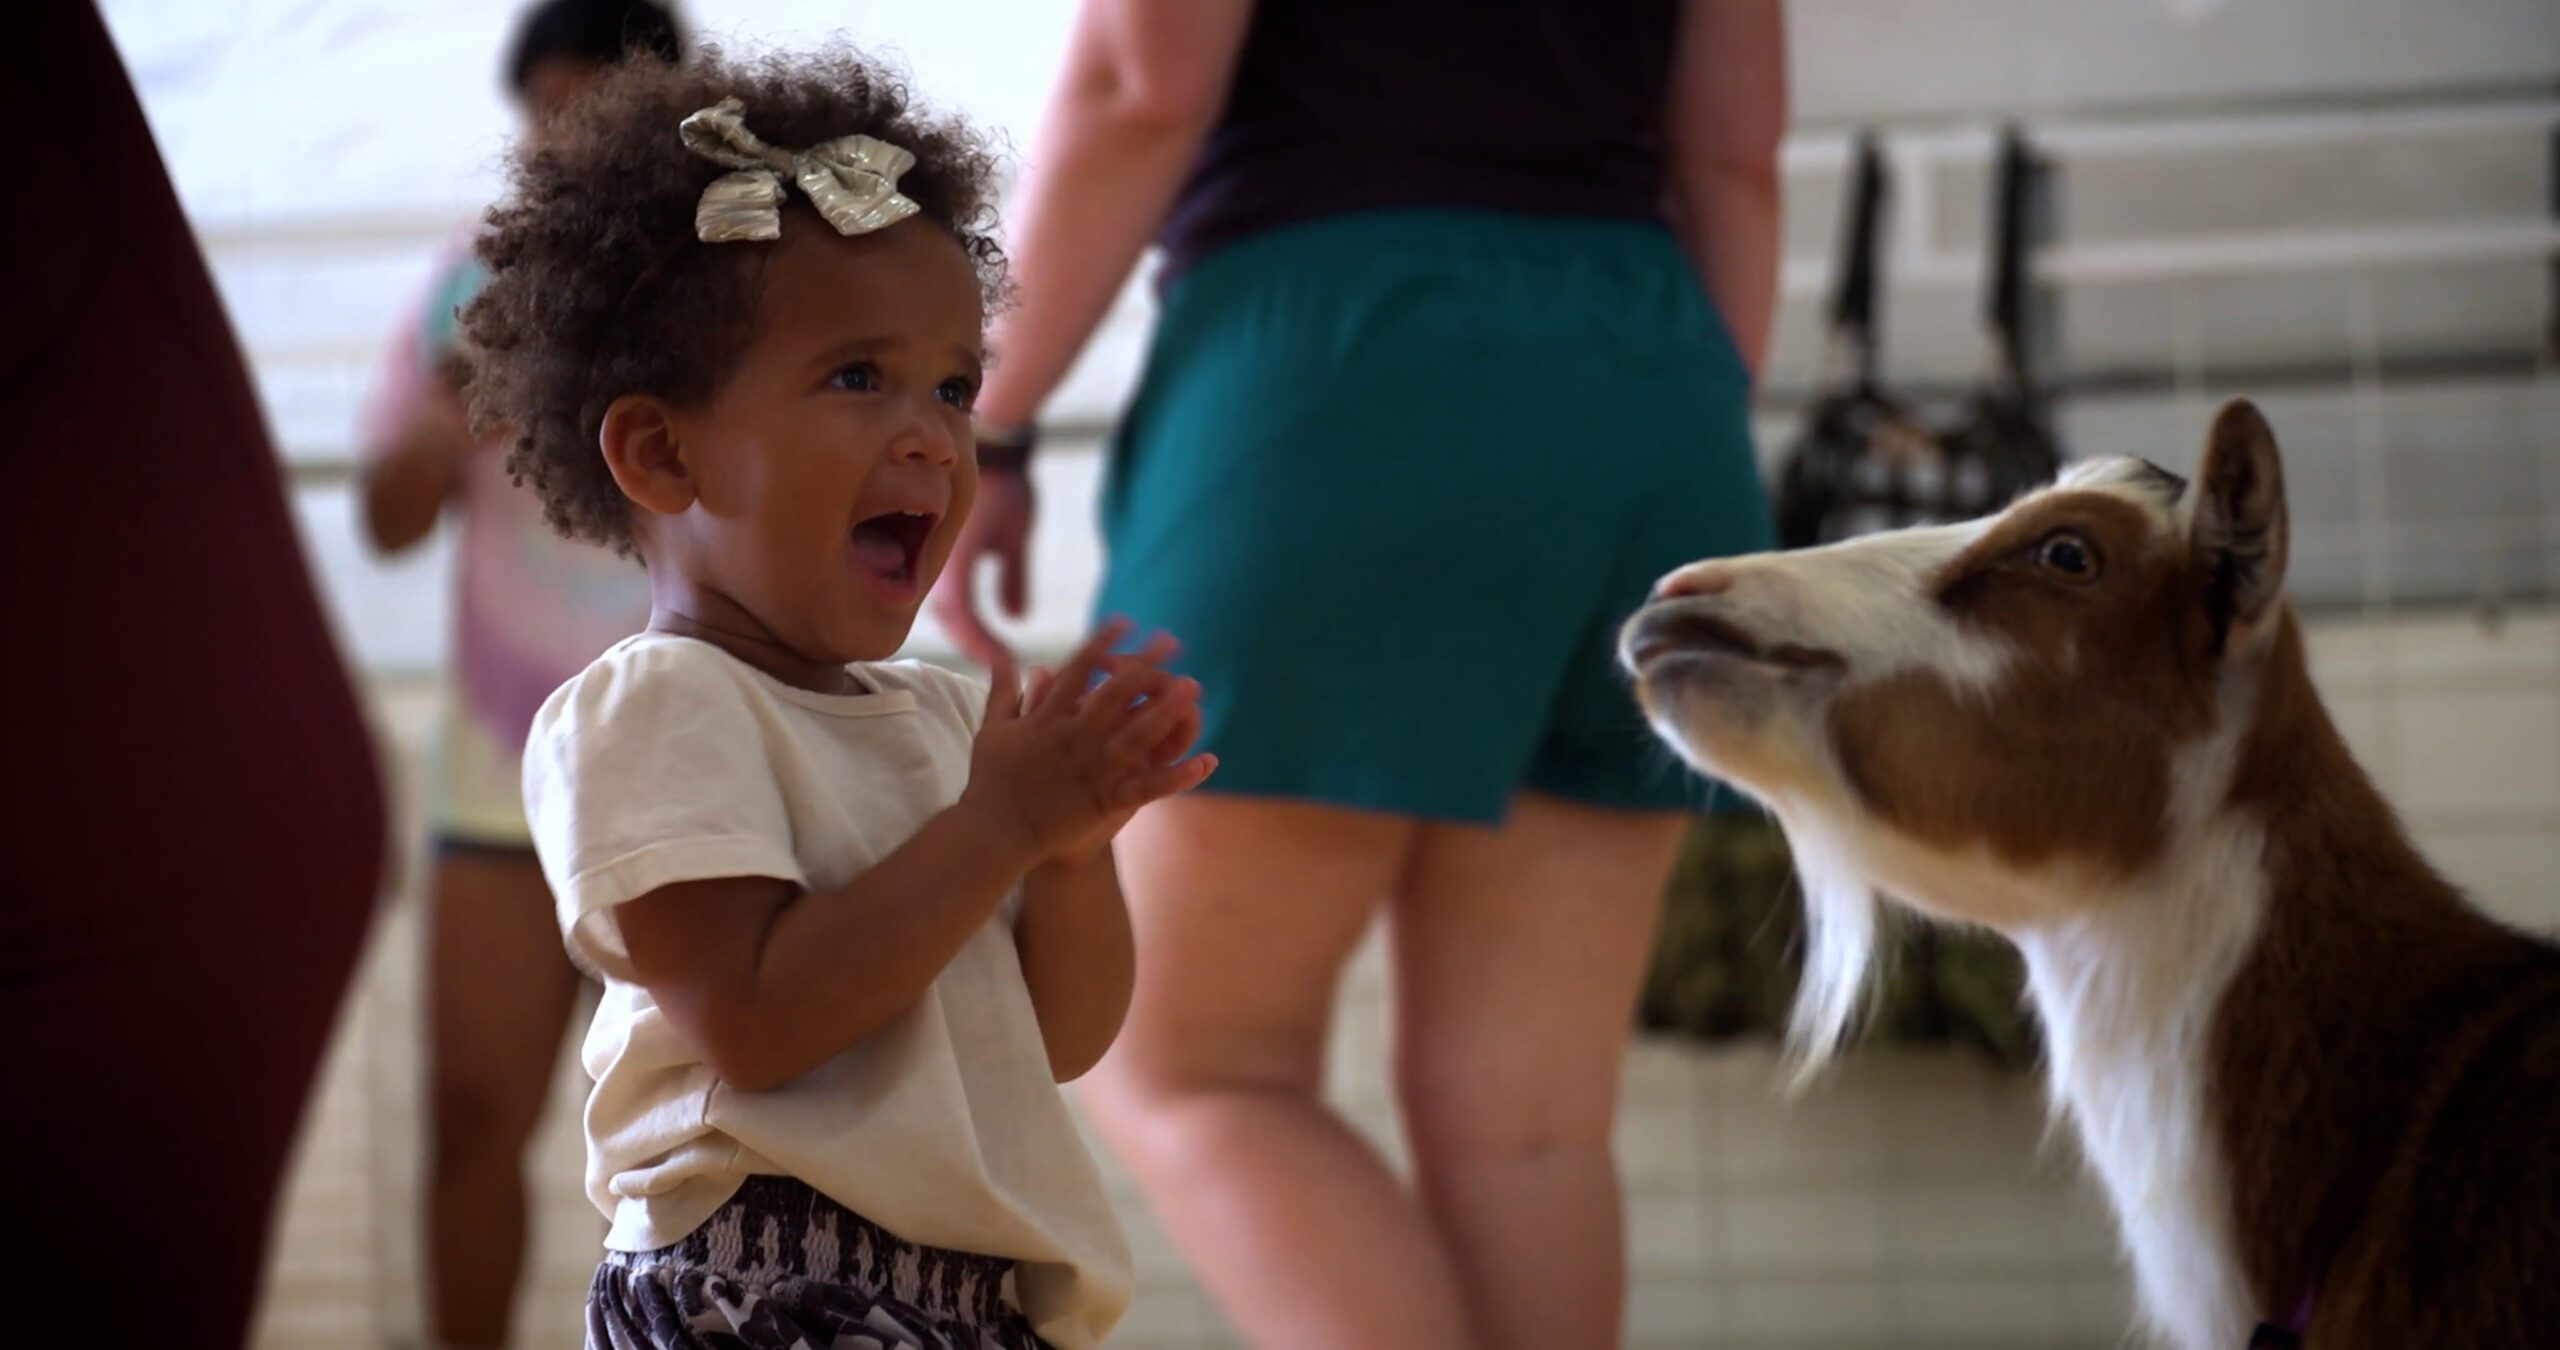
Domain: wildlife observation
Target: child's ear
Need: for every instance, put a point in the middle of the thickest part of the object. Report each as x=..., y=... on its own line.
x=642, y=449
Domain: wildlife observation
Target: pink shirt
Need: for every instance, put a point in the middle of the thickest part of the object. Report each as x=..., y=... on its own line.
x=531, y=609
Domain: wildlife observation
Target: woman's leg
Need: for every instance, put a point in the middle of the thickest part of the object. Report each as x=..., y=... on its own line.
x=500, y=992
x=1245, y=911
x=1518, y=952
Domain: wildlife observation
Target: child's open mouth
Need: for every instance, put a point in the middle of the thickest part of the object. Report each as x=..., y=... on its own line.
x=890, y=544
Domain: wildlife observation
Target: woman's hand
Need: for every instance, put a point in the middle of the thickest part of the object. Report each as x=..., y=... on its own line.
x=405, y=482
x=998, y=530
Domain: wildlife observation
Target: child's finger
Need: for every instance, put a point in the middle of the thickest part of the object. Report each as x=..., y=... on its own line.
x=1042, y=681
x=1004, y=693
x=1077, y=670
x=1125, y=669
x=1106, y=709
x=1141, y=739
x=1185, y=733
x=1154, y=785
x=1175, y=725
x=1116, y=665
x=1160, y=649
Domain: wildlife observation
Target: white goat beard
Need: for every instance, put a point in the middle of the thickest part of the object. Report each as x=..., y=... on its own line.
x=1841, y=921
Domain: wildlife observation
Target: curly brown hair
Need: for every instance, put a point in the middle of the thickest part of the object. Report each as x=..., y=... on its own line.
x=598, y=288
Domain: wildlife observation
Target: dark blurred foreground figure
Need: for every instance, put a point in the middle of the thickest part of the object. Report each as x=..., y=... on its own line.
x=195, y=823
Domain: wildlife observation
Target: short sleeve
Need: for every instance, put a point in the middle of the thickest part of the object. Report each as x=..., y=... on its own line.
x=652, y=767
x=440, y=332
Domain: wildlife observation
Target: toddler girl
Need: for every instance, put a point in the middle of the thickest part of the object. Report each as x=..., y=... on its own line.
x=855, y=920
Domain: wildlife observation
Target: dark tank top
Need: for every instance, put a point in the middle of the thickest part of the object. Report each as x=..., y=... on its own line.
x=1544, y=107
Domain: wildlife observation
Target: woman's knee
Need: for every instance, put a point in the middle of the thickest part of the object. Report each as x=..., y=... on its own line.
x=1245, y=914
x=1147, y=1076
x=1477, y=1103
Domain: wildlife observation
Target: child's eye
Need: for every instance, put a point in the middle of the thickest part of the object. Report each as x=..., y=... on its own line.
x=959, y=391
x=861, y=377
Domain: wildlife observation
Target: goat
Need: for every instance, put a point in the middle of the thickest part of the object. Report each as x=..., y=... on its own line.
x=2319, y=1087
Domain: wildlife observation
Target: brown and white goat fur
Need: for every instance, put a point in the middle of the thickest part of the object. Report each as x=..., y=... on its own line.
x=2300, y=1063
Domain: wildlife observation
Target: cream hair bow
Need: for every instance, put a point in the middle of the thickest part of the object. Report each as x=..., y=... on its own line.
x=852, y=180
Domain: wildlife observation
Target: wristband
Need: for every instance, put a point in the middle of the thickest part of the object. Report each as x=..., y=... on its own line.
x=1006, y=449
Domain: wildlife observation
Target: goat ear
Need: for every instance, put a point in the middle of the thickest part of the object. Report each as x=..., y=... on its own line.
x=2238, y=539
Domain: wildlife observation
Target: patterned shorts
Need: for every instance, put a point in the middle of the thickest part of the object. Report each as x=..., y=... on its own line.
x=781, y=1267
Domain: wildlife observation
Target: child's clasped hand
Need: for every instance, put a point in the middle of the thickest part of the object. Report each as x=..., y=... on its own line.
x=1063, y=765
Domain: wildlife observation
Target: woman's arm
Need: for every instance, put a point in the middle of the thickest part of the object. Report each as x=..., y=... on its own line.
x=413, y=438
x=407, y=476
x=1145, y=80
x=1725, y=117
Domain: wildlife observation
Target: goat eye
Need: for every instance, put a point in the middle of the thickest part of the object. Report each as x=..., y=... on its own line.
x=2069, y=555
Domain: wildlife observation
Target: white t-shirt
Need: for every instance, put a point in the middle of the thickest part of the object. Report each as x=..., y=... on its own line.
x=668, y=760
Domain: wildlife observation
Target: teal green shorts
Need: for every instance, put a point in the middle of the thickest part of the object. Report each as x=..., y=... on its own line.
x=1395, y=479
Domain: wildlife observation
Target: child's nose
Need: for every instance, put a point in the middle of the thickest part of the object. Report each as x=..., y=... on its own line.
x=928, y=438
